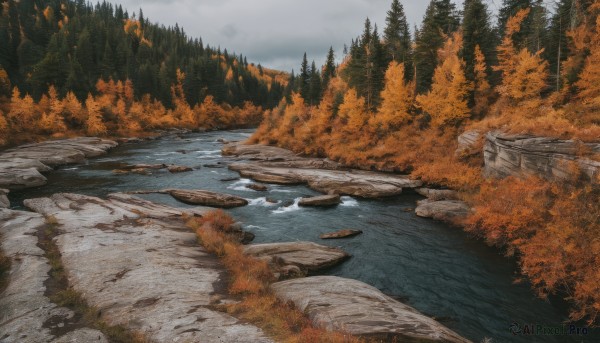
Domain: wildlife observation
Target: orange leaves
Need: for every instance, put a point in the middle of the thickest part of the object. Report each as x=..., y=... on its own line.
x=447, y=102
x=353, y=112
x=482, y=89
x=589, y=82
x=397, y=99
x=94, y=125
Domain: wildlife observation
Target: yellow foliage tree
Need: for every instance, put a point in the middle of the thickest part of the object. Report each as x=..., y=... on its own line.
x=182, y=110
x=353, y=112
x=53, y=121
x=397, y=99
x=94, y=125
x=482, y=88
x=22, y=112
x=447, y=101
x=72, y=109
x=589, y=82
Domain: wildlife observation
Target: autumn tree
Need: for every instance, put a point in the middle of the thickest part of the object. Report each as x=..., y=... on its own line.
x=94, y=124
x=589, y=81
x=353, y=113
x=481, y=87
x=447, y=101
x=53, y=121
x=4, y=129
x=74, y=114
x=524, y=74
x=22, y=112
x=397, y=99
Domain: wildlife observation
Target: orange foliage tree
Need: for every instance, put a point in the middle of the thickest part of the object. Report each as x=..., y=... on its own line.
x=481, y=87
x=589, y=82
x=447, y=102
x=397, y=99
x=94, y=125
x=21, y=116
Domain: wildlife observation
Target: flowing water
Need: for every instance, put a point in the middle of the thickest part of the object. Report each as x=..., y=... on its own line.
x=439, y=270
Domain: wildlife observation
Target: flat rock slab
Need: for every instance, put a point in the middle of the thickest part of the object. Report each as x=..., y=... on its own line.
x=341, y=234
x=25, y=311
x=354, y=307
x=450, y=211
x=207, y=198
x=21, y=167
x=307, y=256
x=142, y=268
x=364, y=184
x=323, y=200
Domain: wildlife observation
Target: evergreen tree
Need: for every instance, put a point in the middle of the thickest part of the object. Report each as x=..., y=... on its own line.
x=477, y=31
x=315, y=91
x=304, y=79
x=440, y=20
x=329, y=72
x=397, y=38
x=558, y=47
x=509, y=9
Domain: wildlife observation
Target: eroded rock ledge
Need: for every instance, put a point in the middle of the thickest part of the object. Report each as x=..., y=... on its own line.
x=352, y=306
x=280, y=166
x=549, y=158
x=134, y=260
x=22, y=167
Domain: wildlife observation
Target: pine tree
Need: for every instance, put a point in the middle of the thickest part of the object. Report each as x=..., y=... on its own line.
x=482, y=89
x=509, y=9
x=447, y=102
x=353, y=112
x=397, y=38
x=304, y=79
x=558, y=46
x=589, y=81
x=440, y=20
x=477, y=31
x=315, y=91
x=329, y=72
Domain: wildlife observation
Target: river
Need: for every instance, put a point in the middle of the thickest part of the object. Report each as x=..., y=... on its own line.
x=439, y=270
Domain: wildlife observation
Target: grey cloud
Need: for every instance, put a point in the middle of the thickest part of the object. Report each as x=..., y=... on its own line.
x=275, y=33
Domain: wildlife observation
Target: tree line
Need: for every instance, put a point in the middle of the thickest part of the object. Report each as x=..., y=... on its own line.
x=70, y=45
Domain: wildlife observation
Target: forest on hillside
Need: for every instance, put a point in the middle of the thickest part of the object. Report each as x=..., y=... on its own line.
x=400, y=100
x=59, y=56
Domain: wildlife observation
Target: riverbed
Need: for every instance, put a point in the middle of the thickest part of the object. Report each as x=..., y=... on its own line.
x=439, y=270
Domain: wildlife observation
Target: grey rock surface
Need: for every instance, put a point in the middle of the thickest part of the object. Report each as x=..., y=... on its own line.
x=341, y=234
x=207, y=198
x=549, y=158
x=280, y=166
x=438, y=194
x=139, y=264
x=22, y=167
x=26, y=313
x=307, y=256
x=351, y=306
x=323, y=200
x=449, y=211
x=4, y=202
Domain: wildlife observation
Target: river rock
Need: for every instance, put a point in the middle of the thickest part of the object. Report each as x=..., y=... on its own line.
x=21, y=167
x=323, y=200
x=257, y=152
x=341, y=234
x=4, y=202
x=450, y=211
x=438, y=194
x=25, y=311
x=351, y=306
x=179, y=169
x=549, y=158
x=207, y=198
x=138, y=264
x=257, y=187
x=467, y=142
x=308, y=256
x=358, y=183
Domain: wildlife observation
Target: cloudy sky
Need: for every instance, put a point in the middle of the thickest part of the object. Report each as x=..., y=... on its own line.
x=276, y=33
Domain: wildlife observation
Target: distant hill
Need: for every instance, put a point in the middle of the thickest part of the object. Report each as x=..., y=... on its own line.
x=73, y=44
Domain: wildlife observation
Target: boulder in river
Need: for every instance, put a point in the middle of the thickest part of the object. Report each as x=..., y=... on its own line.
x=308, y=256
x=351, y=306
x=341, y=234
x=179, y=169
x=207, y=198
x=257, y=187
x=449, y=211
x=323, y=200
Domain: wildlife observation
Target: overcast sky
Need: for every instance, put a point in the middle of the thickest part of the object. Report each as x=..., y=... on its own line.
x=276, y=33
